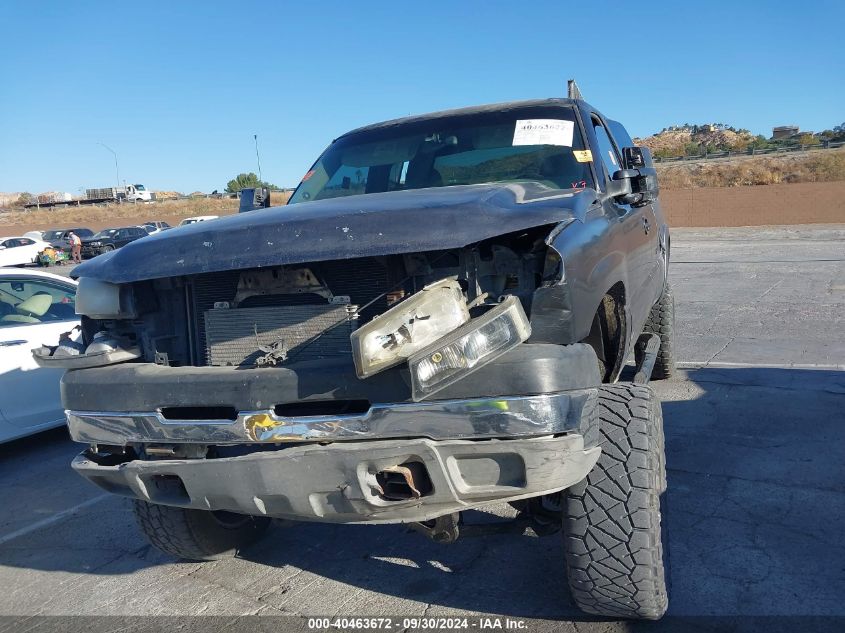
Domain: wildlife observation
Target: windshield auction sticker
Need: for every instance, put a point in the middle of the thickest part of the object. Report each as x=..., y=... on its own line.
x=543, y=132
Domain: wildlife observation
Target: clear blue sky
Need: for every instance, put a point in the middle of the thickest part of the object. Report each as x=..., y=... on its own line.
x=177, y=88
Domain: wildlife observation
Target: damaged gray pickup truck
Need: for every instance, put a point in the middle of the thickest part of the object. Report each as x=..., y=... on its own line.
x=436, y=321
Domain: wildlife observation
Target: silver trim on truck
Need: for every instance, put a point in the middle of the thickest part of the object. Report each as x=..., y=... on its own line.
x=521, y=416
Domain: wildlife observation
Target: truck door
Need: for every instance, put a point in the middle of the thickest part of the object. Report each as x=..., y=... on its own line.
x=653, y=212
x=635, y=234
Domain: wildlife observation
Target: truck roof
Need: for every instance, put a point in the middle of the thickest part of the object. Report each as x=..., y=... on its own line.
x=492, y=107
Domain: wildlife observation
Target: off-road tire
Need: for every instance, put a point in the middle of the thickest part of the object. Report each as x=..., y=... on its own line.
x=197, y=534
x=612, y=523
x=661, y=321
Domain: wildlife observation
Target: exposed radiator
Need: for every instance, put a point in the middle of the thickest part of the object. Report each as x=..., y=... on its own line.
x=363, y=280
x=236, y=336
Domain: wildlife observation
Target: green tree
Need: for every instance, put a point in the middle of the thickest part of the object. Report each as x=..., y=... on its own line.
x=247, y=181
x=24, y=199
x=759, y=142
x=692, y=149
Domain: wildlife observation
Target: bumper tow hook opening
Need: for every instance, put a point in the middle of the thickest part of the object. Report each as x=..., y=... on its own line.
x=404, y=481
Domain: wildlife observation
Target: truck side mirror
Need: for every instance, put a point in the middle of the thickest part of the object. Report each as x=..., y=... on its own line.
x=635, y=157
x=640, y=173
x=620, y=186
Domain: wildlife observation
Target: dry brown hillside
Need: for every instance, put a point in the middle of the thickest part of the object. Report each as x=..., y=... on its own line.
x=812, y=166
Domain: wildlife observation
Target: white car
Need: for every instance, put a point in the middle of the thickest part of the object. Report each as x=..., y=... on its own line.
x=19, y=251
x=35, y=235
x=155, y=226
x=198, y=218
x=35, y=309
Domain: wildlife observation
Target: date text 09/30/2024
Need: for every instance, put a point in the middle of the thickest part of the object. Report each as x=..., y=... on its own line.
x=416, y=623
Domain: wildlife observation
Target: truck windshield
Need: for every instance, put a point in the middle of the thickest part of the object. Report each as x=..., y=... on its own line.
x=541, y=144
x=139, y=188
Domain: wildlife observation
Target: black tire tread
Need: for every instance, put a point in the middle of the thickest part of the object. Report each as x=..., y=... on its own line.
x=661, y=321
x=194, y=534
x=612, y=520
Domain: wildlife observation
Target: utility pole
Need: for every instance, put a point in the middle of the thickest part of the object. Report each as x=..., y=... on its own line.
x=257, y=156
x=116, y=169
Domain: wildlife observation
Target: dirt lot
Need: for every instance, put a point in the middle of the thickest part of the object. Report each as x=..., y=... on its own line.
x=798, y=203
x=755, y=438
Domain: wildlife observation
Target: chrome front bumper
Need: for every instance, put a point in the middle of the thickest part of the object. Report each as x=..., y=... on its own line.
x=483, y=418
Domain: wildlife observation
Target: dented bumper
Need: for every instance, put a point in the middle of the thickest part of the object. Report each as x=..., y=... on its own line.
x=340, y=483
x=474, y=447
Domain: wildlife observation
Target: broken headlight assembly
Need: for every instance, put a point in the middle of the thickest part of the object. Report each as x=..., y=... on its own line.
x=104, y=349
x=394, y=336
x=103, y=300
x=470, y=347
x=97, y=300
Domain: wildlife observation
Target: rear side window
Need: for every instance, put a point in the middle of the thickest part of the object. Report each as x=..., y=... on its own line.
x=620, y=134
x=609, y=157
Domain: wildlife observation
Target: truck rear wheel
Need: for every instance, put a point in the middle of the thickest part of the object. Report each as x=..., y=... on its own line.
x=612, y=521
x=661, y=321
x=198, y=534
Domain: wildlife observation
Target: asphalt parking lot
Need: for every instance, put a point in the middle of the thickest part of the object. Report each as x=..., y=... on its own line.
x=755, y=428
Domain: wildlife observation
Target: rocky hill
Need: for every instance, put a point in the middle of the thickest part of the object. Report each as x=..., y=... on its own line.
x=694, y=139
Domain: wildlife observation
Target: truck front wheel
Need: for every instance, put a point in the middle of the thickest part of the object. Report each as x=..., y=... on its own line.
x=198, y=534
x=661, y=321
x=612, y=521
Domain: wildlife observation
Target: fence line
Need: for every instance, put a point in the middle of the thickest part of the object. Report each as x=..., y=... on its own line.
x=751, y=151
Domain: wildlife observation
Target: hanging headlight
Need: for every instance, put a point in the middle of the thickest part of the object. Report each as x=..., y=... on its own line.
x=472, y=346
x=103, y=300
x=392, y=337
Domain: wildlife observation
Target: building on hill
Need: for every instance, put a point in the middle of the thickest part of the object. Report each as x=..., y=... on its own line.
x=784, y=131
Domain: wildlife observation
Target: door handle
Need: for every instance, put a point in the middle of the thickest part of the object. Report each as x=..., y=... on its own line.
x=12, y=343
x=646, y=225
